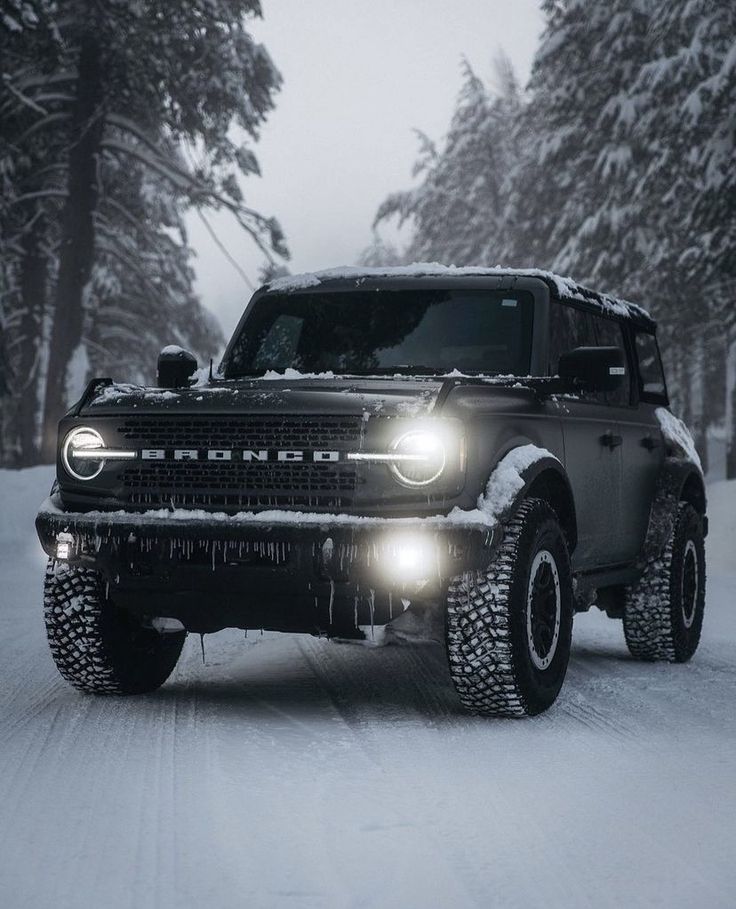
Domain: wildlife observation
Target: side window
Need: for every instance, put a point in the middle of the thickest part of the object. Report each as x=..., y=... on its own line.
x=279, y=346
x=569, y=328
x=652, y=387
x=609, y=333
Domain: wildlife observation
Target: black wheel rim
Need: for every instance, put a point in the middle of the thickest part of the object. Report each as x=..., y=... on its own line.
x=543, y=609
x=690, y=583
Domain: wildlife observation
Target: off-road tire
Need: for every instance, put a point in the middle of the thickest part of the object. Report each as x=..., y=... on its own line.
x=488, y=643
x=98, y=647
x=663, y=613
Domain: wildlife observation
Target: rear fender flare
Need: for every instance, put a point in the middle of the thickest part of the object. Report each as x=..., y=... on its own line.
x=679, y=480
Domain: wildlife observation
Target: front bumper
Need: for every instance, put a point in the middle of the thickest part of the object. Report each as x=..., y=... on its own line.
x=284, y=570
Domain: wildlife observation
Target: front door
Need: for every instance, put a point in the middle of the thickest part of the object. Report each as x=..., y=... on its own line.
x=594, y=467
x=592, y=440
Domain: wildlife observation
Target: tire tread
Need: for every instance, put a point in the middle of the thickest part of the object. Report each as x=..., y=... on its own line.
x=479, y=642
x=649, y=629
x=86, y=643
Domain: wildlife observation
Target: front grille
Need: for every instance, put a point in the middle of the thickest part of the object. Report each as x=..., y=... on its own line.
x=243, y=432
x=232, y=484
x=238, y=484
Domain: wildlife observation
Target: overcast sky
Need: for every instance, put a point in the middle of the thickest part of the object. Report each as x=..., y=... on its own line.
x=359, y=76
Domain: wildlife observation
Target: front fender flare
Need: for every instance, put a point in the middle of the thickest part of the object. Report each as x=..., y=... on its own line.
x=529, y=470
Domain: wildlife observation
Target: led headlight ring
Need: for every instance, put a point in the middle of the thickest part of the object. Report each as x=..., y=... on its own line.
x=82, y=437
x=424, y=443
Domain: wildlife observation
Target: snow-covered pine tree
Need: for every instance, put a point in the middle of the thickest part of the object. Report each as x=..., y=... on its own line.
x=133, y=86
x=689, y=188
x=605, y=210
x=570, y=207
x=455, y=209
x=191, y=71
x=31, y=195
x=381, y=251
x=142, y=277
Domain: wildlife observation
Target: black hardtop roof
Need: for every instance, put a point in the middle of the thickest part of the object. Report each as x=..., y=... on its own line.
x=432, y=274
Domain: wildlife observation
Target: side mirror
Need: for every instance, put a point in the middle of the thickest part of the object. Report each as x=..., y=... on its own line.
x=594, y=368
x=175, y=367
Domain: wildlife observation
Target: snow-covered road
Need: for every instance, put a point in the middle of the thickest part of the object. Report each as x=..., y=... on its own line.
x=295, y=772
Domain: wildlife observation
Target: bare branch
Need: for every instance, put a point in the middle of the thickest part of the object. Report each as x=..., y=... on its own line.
x=24, y=99
x=181, y=181
x=185, y=181
x=41, y=124
x=65, y=76
x=224, y=251
x=39, y=194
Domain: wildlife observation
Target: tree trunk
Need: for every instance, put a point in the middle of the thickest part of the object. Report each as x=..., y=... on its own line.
x=731, y=412
x=33, y=283
x=684, y=399
x=76, y=253
x=699, y=398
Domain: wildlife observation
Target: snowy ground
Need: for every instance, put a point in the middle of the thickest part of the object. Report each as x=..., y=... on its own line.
x=295, y=772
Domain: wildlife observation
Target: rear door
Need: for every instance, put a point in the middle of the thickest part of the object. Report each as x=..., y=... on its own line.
x=641, y=449
x=643, y=452
x=592, y=448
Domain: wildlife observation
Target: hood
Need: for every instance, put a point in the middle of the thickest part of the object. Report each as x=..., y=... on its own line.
x=379, y=396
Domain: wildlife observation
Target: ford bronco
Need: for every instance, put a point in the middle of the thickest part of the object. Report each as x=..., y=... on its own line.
x=494, y=444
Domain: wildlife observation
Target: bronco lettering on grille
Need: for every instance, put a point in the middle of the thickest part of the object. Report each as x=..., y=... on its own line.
x=230, y=454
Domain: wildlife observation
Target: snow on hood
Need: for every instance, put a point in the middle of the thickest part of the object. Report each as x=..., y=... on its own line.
x=288, y=392
x=678, y=436
x=565, y=287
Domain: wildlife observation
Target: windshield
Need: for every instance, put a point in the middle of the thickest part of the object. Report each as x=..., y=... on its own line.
x=367, y=332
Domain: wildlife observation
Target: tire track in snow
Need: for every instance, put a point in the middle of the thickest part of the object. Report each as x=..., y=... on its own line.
x=403, y=683
x=321, y=668
x=247, y=782
x=582, y=709
x=343, y=669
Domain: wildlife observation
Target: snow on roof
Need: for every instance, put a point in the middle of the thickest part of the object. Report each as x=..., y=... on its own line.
x=561, y=287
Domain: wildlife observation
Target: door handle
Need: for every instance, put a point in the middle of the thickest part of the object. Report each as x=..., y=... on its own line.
x=650, y=442
x=611, y=440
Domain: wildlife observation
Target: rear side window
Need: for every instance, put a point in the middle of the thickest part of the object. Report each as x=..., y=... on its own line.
x=652, y=387
x=609, y=333
x=569, y=328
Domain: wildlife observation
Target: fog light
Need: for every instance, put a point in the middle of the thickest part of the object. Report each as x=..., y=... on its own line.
x=64, y=545
x=409, y=559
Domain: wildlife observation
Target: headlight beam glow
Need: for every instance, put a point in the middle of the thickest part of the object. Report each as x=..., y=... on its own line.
x=426, y=461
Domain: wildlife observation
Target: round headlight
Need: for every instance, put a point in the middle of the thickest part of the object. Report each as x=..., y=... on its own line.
x=78, y=453
x=420, y=458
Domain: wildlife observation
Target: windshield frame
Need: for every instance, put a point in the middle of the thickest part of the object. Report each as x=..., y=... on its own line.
x=513, y=284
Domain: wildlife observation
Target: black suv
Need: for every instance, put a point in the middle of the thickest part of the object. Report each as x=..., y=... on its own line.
x=494, y=444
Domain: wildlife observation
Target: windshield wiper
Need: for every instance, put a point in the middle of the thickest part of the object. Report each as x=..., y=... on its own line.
x=405, y=370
